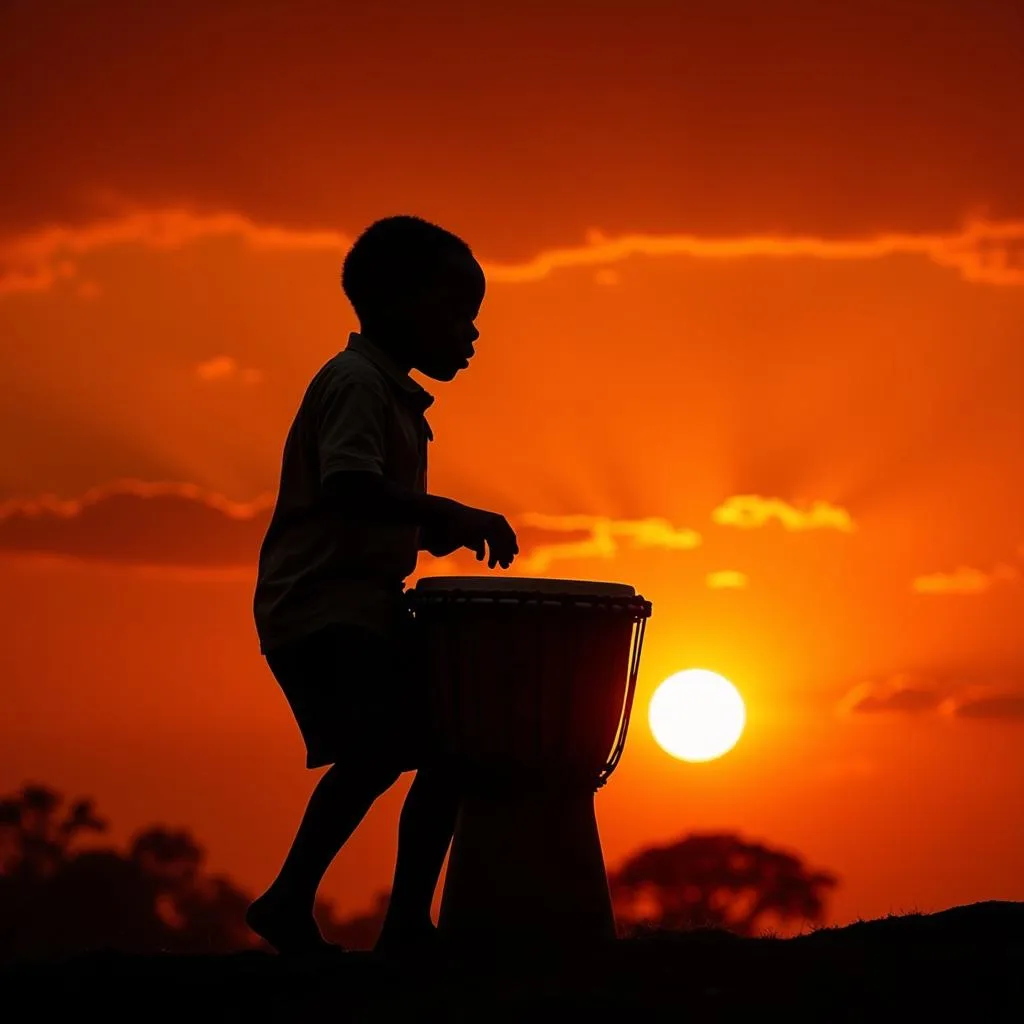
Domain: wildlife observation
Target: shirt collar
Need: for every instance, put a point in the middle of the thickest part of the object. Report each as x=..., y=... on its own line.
x=417, y=395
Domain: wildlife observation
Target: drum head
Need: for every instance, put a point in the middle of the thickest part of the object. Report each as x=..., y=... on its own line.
x=523, y=585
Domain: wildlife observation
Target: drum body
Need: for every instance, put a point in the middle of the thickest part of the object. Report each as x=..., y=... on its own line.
x=530, y=679
x=532, y=683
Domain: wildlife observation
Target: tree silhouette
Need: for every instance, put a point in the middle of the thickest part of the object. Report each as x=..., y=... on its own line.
x=34, y=839
x=56, y=898
x=718, y=881
x=59, y=896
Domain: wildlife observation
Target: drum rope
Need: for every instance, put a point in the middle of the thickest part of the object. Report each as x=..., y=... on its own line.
x=634, y=671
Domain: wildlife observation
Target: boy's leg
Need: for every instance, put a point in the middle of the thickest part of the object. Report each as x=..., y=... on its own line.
x=424, y=834
x=283, y=915
x=325, y=679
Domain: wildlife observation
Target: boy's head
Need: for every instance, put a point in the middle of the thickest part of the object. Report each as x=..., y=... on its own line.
x=417, y=289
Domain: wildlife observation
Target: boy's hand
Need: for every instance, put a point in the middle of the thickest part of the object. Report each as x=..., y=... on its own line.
x=488, y=534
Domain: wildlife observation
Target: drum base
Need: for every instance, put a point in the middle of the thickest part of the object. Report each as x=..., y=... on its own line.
x=527, y=870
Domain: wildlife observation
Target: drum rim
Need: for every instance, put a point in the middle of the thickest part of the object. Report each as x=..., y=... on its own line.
x=523, y=585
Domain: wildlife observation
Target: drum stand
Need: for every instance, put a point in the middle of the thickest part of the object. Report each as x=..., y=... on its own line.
x=526, y=867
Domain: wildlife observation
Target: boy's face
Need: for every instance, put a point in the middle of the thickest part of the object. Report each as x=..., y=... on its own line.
x=440, y=331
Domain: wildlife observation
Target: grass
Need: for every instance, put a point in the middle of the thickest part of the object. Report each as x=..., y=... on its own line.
x=967, y=962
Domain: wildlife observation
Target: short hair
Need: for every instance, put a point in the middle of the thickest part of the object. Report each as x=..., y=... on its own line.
x=392, y=256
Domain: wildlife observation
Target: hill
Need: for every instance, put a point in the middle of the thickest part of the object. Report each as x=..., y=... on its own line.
x=967, y=962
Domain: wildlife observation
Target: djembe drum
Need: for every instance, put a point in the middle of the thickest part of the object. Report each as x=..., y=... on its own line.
x=532, y=684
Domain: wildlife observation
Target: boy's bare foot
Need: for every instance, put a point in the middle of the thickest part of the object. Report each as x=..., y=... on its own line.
x=290, y=932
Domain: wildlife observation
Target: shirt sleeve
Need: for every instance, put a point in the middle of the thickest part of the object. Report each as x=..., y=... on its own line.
x=352, y=427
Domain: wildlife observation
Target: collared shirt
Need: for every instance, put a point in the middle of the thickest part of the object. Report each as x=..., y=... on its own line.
x=360, y=412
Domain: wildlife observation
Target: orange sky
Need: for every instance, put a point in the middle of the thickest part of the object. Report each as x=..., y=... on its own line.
x=756, y=305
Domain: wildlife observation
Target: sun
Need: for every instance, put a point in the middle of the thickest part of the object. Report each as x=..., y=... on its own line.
x=697, y=715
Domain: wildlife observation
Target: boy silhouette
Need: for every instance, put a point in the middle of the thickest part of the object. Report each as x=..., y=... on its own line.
x=352, y=512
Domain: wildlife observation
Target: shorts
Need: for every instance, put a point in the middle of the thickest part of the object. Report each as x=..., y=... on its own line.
x=355, y=696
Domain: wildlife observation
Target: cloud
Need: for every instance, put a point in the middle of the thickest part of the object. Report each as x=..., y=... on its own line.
x=993, y=699
x=38, y=260
x=983, y=251
x=899, y=694
x=726, y=579
x=749, y=511
x=222, y=368
x=991, y=702
x=965, y=580
x=140, y=524
x=593, y=537
x=136, y=523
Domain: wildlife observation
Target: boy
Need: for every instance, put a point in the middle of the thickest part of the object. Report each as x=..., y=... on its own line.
x=352, y=511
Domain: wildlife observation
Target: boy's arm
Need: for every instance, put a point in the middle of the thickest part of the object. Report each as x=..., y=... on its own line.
x=438, y=542
x=352, y=427
x=368, y=496
x=351, y=441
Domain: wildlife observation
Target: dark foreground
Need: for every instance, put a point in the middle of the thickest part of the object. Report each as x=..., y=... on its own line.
x=967, y=962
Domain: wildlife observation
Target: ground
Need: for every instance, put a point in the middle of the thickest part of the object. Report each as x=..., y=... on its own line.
x=966, y=963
